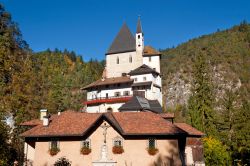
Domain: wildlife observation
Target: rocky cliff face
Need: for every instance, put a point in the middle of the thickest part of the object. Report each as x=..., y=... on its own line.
x=177, y=86
x=177, y=89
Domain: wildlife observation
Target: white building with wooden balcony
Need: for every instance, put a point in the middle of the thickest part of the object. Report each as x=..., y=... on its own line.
x=132, y=69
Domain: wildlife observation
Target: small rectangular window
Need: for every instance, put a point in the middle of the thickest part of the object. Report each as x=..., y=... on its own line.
x=135, y=79
x=117, y=60
x=126, y=93
x=107, y=95
x=130, y=59
x=86, y=143
x=149, y=59
x=151, y=143
x=117, y=143
x=144, y=78
x=54, y=144
x=117, y=94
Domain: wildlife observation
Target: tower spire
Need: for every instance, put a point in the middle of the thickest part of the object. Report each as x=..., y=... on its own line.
x=138, y=28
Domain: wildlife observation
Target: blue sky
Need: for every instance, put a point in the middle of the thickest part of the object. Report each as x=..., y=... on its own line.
x=88, y=27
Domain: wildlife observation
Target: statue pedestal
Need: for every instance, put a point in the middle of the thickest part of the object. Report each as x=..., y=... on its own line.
x=104, y=161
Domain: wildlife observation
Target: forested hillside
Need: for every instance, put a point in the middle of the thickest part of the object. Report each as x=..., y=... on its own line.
x=206, y=82
x=60, y=76
x=228, y=54
x=30, y=81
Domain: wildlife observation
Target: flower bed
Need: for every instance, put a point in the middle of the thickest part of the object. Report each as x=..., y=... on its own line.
x=54, y=151
x=85, y=150
x=152, y=151
x=118, y=149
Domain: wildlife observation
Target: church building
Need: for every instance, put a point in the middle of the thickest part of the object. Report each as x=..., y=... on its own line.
x=123, y=123
x=132, y=69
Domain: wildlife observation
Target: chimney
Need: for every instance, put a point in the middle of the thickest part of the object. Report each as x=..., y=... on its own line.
x=45, y=120
x=59, y=113
x=43, y=112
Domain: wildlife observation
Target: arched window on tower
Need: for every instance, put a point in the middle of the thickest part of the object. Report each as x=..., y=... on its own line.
x=139, y=36
x=130, y=59
x=117, y=60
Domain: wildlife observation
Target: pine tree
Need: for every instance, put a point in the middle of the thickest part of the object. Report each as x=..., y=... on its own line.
x=4, y=146
x=228, y=119
x=200, y=104
x=241, y=143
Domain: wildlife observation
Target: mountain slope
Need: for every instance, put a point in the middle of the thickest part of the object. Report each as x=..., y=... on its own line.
x=228, y=53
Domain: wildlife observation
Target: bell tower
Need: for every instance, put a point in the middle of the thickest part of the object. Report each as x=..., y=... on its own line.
x=139, y=37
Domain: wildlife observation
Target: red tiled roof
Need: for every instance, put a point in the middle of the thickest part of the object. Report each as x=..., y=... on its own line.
x=33, y=122
x=189, y=129
x=145, y=123
x=71, y=123
x=148, y=50
x=167, y=115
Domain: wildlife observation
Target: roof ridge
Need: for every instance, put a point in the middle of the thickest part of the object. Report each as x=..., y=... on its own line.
x=91, y=126
x=117, y=123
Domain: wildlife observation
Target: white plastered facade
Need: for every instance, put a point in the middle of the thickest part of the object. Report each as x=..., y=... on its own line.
x=115, y=69
x=152, y=61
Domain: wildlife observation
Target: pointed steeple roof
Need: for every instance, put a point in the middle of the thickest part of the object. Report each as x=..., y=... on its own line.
x=123, y=42
x=138, y=28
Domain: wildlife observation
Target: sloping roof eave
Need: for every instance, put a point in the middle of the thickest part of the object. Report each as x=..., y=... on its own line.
x=102, y=83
